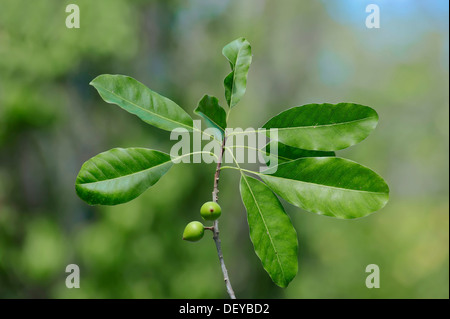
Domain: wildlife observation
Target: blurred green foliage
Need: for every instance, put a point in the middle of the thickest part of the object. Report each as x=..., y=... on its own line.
x=51, y=121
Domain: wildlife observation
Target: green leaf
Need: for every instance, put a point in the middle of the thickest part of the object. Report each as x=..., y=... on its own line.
x=214, y=115
x=139, y=100
x=271, y=231
x=120, y=175
x=329, y=186
x=286, y=153
x=324, y=127
x=239, y=54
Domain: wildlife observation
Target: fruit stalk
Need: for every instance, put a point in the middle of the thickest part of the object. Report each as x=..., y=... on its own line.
x=216, y=238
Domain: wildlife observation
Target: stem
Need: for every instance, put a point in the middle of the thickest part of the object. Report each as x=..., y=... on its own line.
x=259, y=150
x=228, y=114
x=245, y=132
x=192, y=153
x=240, y=169
x=216, y=225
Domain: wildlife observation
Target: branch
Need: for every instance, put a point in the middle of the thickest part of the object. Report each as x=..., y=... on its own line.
x=216, y=225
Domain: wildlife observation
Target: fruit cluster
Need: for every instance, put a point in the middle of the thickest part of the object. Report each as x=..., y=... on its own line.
x=195, y=230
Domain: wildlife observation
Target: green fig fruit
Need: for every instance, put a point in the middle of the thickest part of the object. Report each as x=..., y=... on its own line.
x=210, y=211
x=194, y=231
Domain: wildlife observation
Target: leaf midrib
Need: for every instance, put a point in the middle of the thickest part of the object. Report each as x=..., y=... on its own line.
x=327, y=186
x=144, y=109
x=124, y=176
x=287, y=159
x=325, y=125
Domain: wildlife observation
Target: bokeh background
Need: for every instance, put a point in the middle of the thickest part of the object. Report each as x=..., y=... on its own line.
x=51, y=121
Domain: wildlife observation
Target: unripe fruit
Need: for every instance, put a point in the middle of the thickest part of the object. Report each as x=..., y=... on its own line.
x=210, y=211
x=194, y=231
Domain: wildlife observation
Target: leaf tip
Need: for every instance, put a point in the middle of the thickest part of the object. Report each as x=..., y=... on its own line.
x=95, y=79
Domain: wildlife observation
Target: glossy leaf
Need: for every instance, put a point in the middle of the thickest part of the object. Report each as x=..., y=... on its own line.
x=324, y=127
x=120, y=175
x=139, y=100
x=214, y=115
x=286, y=153
x=329, y=186
x=239, y=54
x=271, y=231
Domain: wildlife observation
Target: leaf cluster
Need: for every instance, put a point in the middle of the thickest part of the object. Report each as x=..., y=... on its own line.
x=309, y=175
